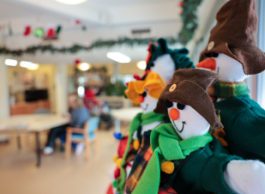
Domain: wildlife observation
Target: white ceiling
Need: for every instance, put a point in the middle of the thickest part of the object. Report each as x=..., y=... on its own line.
x=104, y=19
x=118, y=3
x=12, y=10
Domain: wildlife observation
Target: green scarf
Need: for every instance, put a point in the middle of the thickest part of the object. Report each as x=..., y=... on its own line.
x=167, y=145
x=139, y=120
x=228, y=89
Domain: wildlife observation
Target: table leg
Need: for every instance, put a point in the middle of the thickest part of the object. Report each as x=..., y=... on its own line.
x=38, y=149
x=18, y=142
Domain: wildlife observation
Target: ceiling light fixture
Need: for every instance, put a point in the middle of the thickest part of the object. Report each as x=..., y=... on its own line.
x=83, y=66
x=71, y=2
x=11, y=62
x=118, y=57
x=141, y=65
x=29, y=65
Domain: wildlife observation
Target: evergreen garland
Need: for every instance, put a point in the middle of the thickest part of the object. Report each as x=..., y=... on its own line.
x=189, y=18
x=76, y=48
x=188, y=15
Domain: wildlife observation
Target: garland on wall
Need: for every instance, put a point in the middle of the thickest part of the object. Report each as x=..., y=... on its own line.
x=188, y=15
x=189, y=18
x=76, y=48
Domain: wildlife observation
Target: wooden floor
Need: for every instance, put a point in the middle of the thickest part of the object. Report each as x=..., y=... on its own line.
x=19, y=175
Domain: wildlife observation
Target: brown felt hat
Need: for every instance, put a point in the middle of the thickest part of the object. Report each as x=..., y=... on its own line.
x=234, y=35
x=189, y=87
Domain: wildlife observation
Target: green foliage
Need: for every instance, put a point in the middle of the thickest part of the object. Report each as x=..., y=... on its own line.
x=189, y=18
x=32, y=50
x=116, y=89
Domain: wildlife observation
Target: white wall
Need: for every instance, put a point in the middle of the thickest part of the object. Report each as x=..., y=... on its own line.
x=4, y=93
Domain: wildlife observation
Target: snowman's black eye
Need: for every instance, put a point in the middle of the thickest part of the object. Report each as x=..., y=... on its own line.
x=152, y=65
x=181, y=106
x=208, y=55
x=169, y=104
x=144, y=94
x=215, y=55
x=211, y=55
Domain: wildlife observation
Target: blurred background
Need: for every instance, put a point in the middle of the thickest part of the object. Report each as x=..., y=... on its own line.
x=65, y=58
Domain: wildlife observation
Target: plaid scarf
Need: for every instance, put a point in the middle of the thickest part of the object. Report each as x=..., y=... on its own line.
x=141, y=160
x=139, y=120
x=227, y=89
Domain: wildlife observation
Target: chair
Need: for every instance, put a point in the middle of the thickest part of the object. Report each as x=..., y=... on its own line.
x=87, y=135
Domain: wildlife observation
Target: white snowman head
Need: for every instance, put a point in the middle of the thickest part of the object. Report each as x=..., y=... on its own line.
x=164, y=66
x=186, y=102
x=187, y=122
x=229, y=69
x=147, y=102
x=164, y=61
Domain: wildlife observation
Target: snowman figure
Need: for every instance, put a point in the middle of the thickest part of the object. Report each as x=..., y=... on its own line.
x=185, y=156
x=116, y=171
x=232, y=52
x=166, y=61
x=144, y=91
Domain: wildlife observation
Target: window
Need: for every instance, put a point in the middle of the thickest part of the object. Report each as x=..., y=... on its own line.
x=261, y=44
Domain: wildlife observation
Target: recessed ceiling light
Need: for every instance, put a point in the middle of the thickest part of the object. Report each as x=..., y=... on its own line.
x=119, y=57
x=29, y=65
x=141, y=65
x=11, y=62
x=83, y=66
x=71, y=2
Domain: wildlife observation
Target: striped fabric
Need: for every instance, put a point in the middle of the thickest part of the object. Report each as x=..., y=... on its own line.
x=228, y=89
x=141, y=160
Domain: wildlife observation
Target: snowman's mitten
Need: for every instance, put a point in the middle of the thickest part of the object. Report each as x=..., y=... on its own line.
x=245, y=177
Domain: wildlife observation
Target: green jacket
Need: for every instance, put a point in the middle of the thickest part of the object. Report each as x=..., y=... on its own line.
x=202, y=172
x=244, y=125
x=200, y=163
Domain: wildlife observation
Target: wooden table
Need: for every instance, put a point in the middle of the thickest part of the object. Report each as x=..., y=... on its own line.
x=31, y=123
x=125, y=114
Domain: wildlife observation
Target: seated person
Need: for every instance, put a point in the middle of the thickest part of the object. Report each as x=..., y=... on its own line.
x=79, y=116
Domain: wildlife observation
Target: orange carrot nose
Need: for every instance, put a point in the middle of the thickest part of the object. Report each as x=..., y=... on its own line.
x=174, y=114
x=207, y=64
x=141, y=99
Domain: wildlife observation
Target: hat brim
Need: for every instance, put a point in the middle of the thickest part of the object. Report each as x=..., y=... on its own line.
x=251, y=57
x=184, y=94
x=153, y=82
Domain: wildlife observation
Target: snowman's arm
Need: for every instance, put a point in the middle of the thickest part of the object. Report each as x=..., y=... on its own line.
x=245, y=177
x=248, y=133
